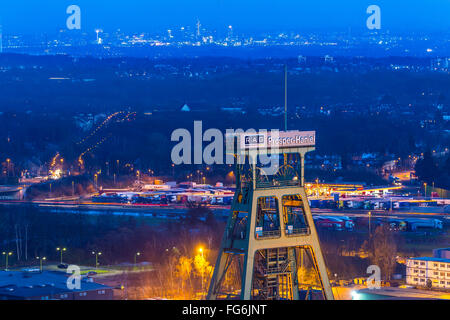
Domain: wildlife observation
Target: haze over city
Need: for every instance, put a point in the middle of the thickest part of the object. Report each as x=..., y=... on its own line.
x=24, y=16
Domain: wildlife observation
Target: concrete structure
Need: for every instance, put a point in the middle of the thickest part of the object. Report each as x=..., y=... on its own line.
x=12, y=192
x=48, y=285
x=429, y=272
x=268, y=243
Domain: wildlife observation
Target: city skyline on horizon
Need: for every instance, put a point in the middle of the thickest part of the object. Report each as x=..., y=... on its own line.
x=263, y=16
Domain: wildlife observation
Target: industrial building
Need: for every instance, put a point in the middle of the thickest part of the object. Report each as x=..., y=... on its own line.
x=430, y=272
x=48, y=285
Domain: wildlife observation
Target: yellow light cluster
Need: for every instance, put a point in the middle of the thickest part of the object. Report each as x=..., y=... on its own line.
x=101, y=125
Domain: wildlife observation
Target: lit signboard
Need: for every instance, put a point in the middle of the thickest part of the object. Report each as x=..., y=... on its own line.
x=277, y=139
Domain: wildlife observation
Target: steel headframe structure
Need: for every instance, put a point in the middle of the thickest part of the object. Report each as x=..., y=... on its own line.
x=269, y=244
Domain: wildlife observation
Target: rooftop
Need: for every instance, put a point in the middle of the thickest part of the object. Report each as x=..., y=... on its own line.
x=34, y=284
x=431, y=259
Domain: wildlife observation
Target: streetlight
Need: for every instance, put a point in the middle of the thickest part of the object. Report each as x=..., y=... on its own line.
x=61, y=250
x=40, y=261
x=8, y=161
x=6, y=254
x=96, y=258
x=370, y=215
x=135, y=257
x=201, y=251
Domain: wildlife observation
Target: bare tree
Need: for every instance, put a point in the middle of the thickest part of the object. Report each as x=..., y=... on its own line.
x=383, y=251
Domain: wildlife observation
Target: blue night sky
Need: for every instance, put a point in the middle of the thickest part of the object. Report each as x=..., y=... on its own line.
x=28, y=16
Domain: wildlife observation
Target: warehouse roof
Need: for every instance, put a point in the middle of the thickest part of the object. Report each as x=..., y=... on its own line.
x=27, y=284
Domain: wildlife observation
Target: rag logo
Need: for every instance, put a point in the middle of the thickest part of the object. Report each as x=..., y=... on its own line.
x=74, y=20
x=374, y=282
x=254, y=140
x=74, y=281
x=374, y=20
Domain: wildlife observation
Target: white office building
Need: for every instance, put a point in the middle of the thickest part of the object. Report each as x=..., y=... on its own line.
x=424, y=271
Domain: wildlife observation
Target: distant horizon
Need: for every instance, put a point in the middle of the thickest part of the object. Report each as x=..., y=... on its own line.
x=318, y=31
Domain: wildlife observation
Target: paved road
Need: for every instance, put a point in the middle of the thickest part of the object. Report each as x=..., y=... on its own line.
x=179, y=209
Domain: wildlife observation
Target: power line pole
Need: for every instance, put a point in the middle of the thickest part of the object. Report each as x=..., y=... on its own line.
x=198, y=25
x=285, y=96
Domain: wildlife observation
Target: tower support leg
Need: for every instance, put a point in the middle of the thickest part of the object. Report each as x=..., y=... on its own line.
x=247, y=275
x=218, y=275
